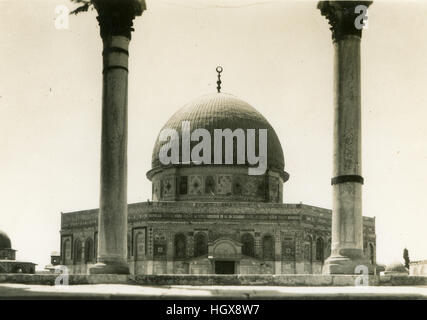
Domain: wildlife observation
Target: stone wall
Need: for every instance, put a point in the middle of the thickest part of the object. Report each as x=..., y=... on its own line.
x=9, y=266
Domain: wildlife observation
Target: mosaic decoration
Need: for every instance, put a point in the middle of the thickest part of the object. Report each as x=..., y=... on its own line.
x=196, y=185
x=224, y=249
x=168, y=187
x=223, y=185
x=250, y=188
x=159, y=244
x=288, y=249
x=140, y=243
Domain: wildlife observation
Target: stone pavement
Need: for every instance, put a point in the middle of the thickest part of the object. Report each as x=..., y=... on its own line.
x=126, y=291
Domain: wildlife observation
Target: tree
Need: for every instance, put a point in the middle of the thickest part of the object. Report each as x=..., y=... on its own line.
x=406, y=258
x=84, y=6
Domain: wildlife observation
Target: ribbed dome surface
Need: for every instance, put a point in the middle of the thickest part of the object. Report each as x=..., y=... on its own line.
x=5, y=241
x=222, y=111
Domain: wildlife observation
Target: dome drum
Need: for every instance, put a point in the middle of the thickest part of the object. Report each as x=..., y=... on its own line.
x=216, y=183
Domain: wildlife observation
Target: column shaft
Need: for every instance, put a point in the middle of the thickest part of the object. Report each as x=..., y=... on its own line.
x=347, y=219
x=347, y=198
x=112, y=224
x=115, y=19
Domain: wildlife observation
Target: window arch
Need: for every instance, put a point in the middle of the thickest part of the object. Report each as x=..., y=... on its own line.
x=268, y=247
x=200, y=244
x=89, y=250
x=320, y=250
x=77, y=251
x=248, y=245
x=180, y=246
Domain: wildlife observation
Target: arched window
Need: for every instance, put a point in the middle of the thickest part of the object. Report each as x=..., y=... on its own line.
x=319, y=250
x=200, y=244
x=372, y=253
x=139, y=246
x=77, y=251
x=308, y=248
x=89, y=250
x=268, y=247
x=180, y=246
x=66, y=251
x=248, y=245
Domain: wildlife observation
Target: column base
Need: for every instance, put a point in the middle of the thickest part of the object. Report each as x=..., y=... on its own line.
x=339, y=264
x=109, y=268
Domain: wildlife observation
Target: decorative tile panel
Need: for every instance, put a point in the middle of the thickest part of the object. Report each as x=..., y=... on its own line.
x=195, y=185
x=223, y=186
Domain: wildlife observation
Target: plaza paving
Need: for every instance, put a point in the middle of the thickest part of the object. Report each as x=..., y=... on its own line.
x=125, y=291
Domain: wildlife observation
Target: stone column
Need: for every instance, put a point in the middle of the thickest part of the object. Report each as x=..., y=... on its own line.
x=115, y=18
x=347, y=222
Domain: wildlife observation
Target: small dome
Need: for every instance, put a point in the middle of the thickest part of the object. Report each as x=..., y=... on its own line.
x=397, y=267
x=5, y=241
x=224, y=111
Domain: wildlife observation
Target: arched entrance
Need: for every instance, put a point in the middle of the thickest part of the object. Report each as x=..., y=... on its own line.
x=225, y=255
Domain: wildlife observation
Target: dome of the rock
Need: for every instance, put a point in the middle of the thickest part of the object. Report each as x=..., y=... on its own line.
x=7, y=258
x=224, y=111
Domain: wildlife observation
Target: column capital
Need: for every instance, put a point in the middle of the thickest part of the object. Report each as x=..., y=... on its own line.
x=115, y=17
x=343, y=16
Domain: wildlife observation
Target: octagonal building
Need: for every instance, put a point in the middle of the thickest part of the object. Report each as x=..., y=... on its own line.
x=215, y=217
x=8, y=262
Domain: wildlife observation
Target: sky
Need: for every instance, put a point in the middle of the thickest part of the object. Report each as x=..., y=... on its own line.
x=276, y=55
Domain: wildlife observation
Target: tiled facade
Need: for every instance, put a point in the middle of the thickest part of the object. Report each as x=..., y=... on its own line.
x=189, y=237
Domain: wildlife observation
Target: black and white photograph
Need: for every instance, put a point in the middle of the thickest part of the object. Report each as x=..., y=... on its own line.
x=226, y=150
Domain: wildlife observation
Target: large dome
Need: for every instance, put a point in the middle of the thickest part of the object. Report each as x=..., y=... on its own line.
x=222, y=111
x=5, y=241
